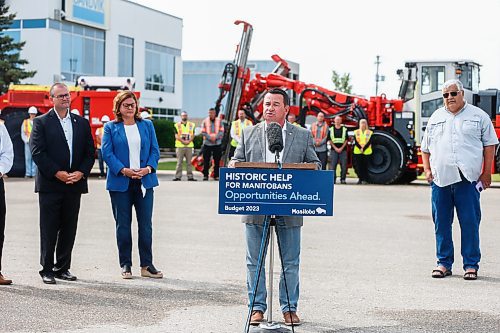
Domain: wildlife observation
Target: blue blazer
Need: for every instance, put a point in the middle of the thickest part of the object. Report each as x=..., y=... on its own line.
x=115, y=153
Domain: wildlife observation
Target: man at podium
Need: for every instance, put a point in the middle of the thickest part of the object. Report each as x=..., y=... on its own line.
x=298, y=147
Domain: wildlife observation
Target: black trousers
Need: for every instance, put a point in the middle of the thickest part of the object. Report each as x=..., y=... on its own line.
x=208, y=152
x=58, y=221
x=3, y=210
x=323, y=157
x=361, y=161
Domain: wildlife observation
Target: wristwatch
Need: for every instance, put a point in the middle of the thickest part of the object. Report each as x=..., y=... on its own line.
x=149, y=169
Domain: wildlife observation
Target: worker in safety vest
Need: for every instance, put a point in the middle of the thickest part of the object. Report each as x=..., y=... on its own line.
x=26, y=127
x=212, y=131
x=320, y=135
x=292, y=119
x=338, y=142
x=362, y=150
x=184, y=145
x=98, y=139
x=236, y=129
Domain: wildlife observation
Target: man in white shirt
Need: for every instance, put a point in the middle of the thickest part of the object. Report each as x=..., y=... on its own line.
x=457, y=151
x=6, y=160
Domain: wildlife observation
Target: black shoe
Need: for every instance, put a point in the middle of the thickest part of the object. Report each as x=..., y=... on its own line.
x=343, y=182
x=176, y=179
x=205, y=178
x=359, y=182
x=192, y=180
x=65, y=276
x=48, y=278
x=216, y=178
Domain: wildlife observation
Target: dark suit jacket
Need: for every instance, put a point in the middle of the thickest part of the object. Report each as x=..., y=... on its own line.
x=51, y=153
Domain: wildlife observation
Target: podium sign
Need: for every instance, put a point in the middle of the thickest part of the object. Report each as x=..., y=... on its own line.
x=283, y=192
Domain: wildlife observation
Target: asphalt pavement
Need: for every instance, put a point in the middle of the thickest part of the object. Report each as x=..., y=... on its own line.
x=367, y=269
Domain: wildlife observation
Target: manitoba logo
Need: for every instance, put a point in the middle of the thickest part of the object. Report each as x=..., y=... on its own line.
x=320, y=210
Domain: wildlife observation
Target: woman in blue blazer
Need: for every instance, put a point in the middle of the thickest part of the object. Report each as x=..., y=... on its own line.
x=130, y=149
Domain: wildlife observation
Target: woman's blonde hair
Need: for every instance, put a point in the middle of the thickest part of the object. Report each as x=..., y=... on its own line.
x=117, y=103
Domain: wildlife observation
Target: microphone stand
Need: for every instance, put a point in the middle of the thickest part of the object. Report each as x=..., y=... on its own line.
x=270, y=326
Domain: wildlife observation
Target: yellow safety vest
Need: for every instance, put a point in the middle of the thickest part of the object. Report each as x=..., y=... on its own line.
x=27, y=127
x=238, y=129
x=100, y=131
x=186, y=131
x=363, y=138
x=340, y=140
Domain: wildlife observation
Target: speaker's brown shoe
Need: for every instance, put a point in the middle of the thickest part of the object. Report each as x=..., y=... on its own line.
x=291, y=317
x=4, y=281
x=257, y=317
x=151, y=272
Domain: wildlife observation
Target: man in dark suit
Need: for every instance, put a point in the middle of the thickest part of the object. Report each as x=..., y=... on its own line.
x=298, y=148
x=63, y=150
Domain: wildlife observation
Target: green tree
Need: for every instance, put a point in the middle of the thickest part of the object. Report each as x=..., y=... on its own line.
x=11, y=65
x=342, y=82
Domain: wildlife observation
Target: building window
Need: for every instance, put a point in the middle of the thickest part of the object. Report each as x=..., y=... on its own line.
x=163, y=113
x=160, y=67
x=82, y=51
x=125, y=56
x=432, y=78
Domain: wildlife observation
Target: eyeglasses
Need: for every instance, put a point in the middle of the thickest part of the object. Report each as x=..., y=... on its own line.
x=63, y=96
x=452, y=93
x=129, y=106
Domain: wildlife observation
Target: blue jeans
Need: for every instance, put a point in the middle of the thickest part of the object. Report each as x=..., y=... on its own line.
x=463, y=197
x=290, y=247
x=121, y=203
x=28, y=162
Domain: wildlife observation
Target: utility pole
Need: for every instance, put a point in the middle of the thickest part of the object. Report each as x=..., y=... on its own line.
x=378, y=78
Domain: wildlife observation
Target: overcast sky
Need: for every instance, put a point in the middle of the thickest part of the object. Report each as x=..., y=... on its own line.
x=345, y=35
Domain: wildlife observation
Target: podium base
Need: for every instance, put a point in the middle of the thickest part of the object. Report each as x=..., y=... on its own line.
x=268, y=328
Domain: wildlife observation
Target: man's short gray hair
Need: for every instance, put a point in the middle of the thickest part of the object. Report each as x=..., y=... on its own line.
x=57, y=84
x=453, y=82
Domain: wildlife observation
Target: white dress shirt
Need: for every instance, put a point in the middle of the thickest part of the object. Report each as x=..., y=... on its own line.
x=6, y=150
x=270, y=157
x=134, y=146
x=68, y=132
x=456, y=143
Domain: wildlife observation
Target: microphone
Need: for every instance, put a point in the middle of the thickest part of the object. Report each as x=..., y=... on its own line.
x=275, y=139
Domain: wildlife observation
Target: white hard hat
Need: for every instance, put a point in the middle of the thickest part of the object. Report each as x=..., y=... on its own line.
x=145, y=115
x=75, y=111
x=32, y=110
x=104, y=118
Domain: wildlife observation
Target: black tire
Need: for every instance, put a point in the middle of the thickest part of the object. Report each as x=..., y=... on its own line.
x=407, y=177
x=388, y=160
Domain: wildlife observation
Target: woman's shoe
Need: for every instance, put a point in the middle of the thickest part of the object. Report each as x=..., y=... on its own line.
x=126, y=272
x=151, y=272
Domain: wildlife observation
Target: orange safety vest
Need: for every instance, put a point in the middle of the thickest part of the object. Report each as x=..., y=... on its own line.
x=314, y=130
x=27, y=127
x=100, y=132
x=207, y=126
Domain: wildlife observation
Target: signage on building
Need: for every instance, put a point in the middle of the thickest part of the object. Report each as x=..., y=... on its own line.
x=94, y=13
